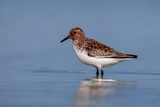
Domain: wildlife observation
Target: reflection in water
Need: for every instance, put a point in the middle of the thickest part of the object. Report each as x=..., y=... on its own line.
x=91, y=91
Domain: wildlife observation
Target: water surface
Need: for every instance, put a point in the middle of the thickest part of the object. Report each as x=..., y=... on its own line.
x=37, y=70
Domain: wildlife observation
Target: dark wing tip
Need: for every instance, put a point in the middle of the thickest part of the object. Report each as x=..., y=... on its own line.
x=127, y=56
x=132, y=56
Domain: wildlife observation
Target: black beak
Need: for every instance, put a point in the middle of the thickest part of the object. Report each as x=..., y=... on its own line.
x=68, y=37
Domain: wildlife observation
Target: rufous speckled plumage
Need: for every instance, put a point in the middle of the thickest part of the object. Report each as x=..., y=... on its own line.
x=94, y=53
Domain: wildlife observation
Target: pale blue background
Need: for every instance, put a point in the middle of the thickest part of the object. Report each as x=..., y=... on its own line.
x=30, y=35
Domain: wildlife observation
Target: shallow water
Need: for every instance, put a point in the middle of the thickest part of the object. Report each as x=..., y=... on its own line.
x=36, y=70
x=31, y=85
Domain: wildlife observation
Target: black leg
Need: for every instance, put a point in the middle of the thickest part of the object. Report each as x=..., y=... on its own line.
x=97, y=76
x=101, y=76
x=97, y=72
x=102, y=72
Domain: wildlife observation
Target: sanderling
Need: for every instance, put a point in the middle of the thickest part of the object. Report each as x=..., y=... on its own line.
x=94, y=53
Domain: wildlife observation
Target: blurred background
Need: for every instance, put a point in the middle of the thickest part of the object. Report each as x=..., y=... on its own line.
x=30, y=35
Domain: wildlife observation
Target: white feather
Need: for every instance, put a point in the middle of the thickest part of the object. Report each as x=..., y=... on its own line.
x=94, y=61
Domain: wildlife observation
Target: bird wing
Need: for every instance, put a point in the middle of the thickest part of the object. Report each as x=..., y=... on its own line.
x=100, y=50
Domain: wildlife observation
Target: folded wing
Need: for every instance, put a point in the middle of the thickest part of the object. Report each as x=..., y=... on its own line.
x=99, y=50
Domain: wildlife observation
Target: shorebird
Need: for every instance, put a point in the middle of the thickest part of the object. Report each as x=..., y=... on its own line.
x=94, y=53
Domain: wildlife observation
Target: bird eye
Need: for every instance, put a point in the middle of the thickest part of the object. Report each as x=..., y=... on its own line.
x=74, y=32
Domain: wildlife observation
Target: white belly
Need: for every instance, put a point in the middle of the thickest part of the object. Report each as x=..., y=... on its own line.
x=96, y=62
